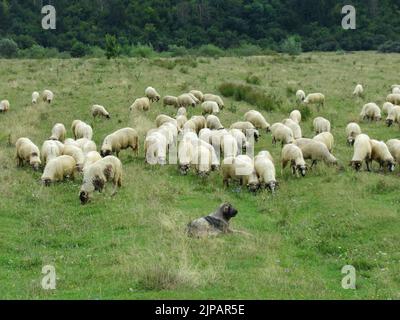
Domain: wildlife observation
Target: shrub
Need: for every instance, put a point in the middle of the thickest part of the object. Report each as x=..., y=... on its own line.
x=165, y=63
x=78, y=49
x=390, y=46
x=253, y=79
x=209, y=50
x=39, y=52
x=8, y=48
x=292, y=46
x=177, y=51
x=246, y=50
x=142, y=51
x=113, y=49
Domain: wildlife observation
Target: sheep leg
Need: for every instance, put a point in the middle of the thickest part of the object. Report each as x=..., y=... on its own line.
x=314, y=163
x=368, y=165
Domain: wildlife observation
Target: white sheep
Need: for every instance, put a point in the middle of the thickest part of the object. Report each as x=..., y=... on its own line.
x=141, y=104
x=296, y=129
x=371, y=112
x=4, y=106
x=81, y=129
x=393, y=98
x=381, y=154
x=315, y=151
x=77, y=154
x=181, y=112
x=393, y=116
x=152, y=94
x=100, y=111
x=155, y=148
x=266, y=172
x=321, y=125
x=197, y=101
x=362, y=152
x=295, y=115
x=396, y=90
x=257, y=119
x=35, y=97
x=170, y=101
x=181, y=120
x=48, y=96
x=202, y=161
x=229, y=146
x=162, y=119
x=58, y=169
x=387, y=106
x=58, y=132
x=300, y=95
x=394, y=148
x=214, y=123
x=185, y=155
x=210, y=107
x=243, y=143
x=352, y=131
x=120, y=140
x=198, y=94
x=240, y=168
x=292, y=154
x=27, y=152
x=85, y=145
x=281, y=133
x=358, y=91
x=200, y=121
x=327, y=139
x=247, y=128
x=108, y=169
x=315, y=98
x=91, y=158
x=51, y=149
x=186, y=101
x=215, y=98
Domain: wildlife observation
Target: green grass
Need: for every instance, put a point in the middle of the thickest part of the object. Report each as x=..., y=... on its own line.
x=133, y=246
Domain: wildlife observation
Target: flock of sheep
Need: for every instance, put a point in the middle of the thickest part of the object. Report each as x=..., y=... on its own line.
x=200, y=142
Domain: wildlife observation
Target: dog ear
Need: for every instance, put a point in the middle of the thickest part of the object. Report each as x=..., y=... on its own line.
x=98, y=183
x=108, y=171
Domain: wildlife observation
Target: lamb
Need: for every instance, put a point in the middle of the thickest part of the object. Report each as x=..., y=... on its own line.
x=352, y=130
x=247, y=128
x=108, y=169
x=214, y=123
x=27, y=152
x=358, y=91
x=215, y=98
x=186, y=101
x=293, y=154
x=327, y=139
x=300, y=95
x=155, y=148
x=316, y=151
x=281, y=133
x=141, y=104
x=241, y=139
x=229, y=146
x=362, y=152
x=91, y=158
x=152, y=94
x=181, y=120
x=81, y=130
x=382, y=155
x=296, y=129
x=58, y=169
x=48, y=96
x=198, y=94
x=162, y=119
x=394, y=116
x=58, y=132
x=120, y=140
x=4, y=106
x=51, y=149
x=295, y=115
x=371, y=112
x=170, y=101
x=387, y=106
x=210, y=107
x=393, y=98
x=394, y=148
x=77, y=154
x=242, y=168
x=100, y=111
x=266, y=172
x=257, y=120
x=321, y=125
x=315, y=98
x=35, y=97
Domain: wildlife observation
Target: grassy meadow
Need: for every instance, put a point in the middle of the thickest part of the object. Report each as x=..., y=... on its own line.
x=133, y=245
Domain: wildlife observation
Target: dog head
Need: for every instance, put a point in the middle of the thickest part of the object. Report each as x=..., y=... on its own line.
x=228, y=211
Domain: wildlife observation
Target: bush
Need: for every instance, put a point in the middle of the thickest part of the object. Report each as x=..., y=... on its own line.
x=142, y=51
x=177, y=51
x=78, y=49
x=292, y=46
x=246, y=50
x=39, y=52
x=253, y=79
x=209, y=50
x=390, y=46
x=112, y=47
x=8, y=48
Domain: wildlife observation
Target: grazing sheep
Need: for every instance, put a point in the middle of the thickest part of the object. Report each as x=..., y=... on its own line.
x=120, y=140
x=315, y=151
x=185, y=101
x=257, y=120
x=321, y=125
x=162, y=119
x=100, y=111
x=141, y=104
x=181, y=112
x=198, y=94
x=247, y=128
x=393, y=98
x=185, y=155
x=85, y=145
x=371, y=112
x=396, y=90
x=315, y=98
x=197, y=101
x=58, y=169
x=48, y=96
x=387, y=106
x=241, y=168
x=395, y=86
x=4, y=106
x=77, y=154
x=352, y=131
x=190, y=126
x=300, y=95
x=358, y=91
x=170, y=131
x=292, y=154
x=295, y=115
x=205, y=135
x=58, y=132
x=266, y=172
x=209, y=107
x=91, y=158
x=215, y=98
x=202, y=161
x=327, y=139
x=362, y=152
x=152, y=94
x=170, y=101
x=241, y=139
x=297, y=133
x=35, y=97
x=215, y=224
x=81, y=129
x=181, y=120
x=229, y=146
x=51, y=149
x=214, y=123
x=27, y=152
x=200, y=122
x=155, y=148
x=394, y=148
x=108, y=169
x=393, y=116
x=382, y=155
x=281, y=133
